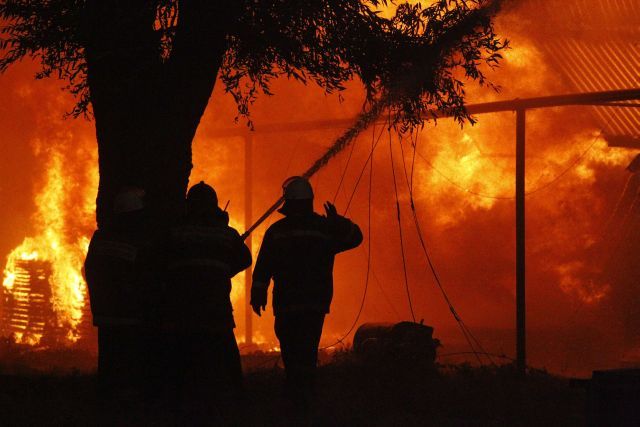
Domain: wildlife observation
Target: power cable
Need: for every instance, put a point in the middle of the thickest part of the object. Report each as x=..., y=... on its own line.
x=413, y=162
x=469, y=337
x=362, y=171
x=465, y=330
x=370, y=159
x=344, y=172
x=568, y=169
x=286, y=175
x=528, y=193
x=384, y=294
x=375, y=277
x=463, y=327
x=404, y=263
x=362, y=122
x=404, y=168
x=366, y=281
x=464, y=189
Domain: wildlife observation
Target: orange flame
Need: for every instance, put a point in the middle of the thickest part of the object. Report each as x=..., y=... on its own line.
x=52, y=243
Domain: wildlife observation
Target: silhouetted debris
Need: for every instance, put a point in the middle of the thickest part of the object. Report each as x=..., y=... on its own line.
x=408, y=341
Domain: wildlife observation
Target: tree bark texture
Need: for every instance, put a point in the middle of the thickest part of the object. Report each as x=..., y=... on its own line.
x=147, y=110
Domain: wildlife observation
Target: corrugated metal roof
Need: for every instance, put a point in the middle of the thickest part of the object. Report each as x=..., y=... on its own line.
x=595, y=45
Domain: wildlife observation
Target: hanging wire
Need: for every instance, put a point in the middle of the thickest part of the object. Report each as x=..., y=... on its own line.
x=466, y=332
x=366, y=281
x=469, y=336
x=413, y=161
x=572, y=165
x=364, y=167
x=464, y=189
x=370, y=159
x=543, y=187
x=346, y=166
x=409, y=180
x=404, y=262
x=616, y=209
x=362, y=122
x=384, y=294
x=286, y=175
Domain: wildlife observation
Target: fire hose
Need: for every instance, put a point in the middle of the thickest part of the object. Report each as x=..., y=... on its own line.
x=362, y=122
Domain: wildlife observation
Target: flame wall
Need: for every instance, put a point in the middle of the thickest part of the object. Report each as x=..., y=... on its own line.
x=463, y=184
x=59, y=176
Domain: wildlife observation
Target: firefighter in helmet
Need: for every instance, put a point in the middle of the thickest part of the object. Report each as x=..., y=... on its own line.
x=204, y=254
x=298, y=252
x=121, y=270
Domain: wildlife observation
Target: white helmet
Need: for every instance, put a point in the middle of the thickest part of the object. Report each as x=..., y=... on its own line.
x=297, y=188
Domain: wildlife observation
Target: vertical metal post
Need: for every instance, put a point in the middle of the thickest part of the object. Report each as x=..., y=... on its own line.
x=248, y=219
x=521, y=354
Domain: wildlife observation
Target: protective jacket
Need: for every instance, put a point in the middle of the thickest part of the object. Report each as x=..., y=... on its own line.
x=121, y=273
x=204, y=254
x=298, y=253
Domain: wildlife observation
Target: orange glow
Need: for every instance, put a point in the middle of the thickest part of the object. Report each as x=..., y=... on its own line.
x=463, y=186
x=52, y=244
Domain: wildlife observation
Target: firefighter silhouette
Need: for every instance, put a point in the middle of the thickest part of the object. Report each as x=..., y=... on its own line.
x=204, y=254
x=122, y=274
x=298, y=252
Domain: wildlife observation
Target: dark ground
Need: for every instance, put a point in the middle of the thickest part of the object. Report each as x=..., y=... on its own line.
x=351, y=392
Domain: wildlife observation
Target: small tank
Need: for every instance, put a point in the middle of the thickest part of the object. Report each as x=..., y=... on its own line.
x=403, y=340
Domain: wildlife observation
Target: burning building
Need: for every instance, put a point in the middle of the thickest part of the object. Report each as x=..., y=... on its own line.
x=581, y=233
x=27, y=311
x=44, y=296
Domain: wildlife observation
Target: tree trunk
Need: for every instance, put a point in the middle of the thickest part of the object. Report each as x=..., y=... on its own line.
x=146, y=110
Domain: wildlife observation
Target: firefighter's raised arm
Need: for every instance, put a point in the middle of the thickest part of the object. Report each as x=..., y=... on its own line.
x=344, y=233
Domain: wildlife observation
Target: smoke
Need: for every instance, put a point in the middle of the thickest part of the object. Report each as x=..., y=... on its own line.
x=462, y=182
x=463, y=187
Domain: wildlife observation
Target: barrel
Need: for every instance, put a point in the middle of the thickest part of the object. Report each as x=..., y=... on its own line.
x=403, y=340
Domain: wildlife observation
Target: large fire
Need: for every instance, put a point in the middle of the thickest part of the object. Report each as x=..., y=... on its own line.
x=463, y=186
x=54, y=244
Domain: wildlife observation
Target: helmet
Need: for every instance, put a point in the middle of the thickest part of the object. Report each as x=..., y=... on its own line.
x=202, y=194
x=128, y=199
x=297, y=188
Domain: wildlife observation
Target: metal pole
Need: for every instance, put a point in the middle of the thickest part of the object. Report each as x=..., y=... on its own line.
x=248, y=207
x=521, y=354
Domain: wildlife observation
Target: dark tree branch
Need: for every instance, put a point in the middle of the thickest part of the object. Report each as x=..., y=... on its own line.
x=148, y=67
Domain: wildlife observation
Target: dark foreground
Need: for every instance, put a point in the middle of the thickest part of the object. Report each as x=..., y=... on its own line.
x=350, y=392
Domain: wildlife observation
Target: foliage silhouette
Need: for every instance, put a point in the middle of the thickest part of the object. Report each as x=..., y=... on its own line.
x=145, y=69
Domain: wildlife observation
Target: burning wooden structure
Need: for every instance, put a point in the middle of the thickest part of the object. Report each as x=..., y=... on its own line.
x=27, y=310
x=594, y=60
